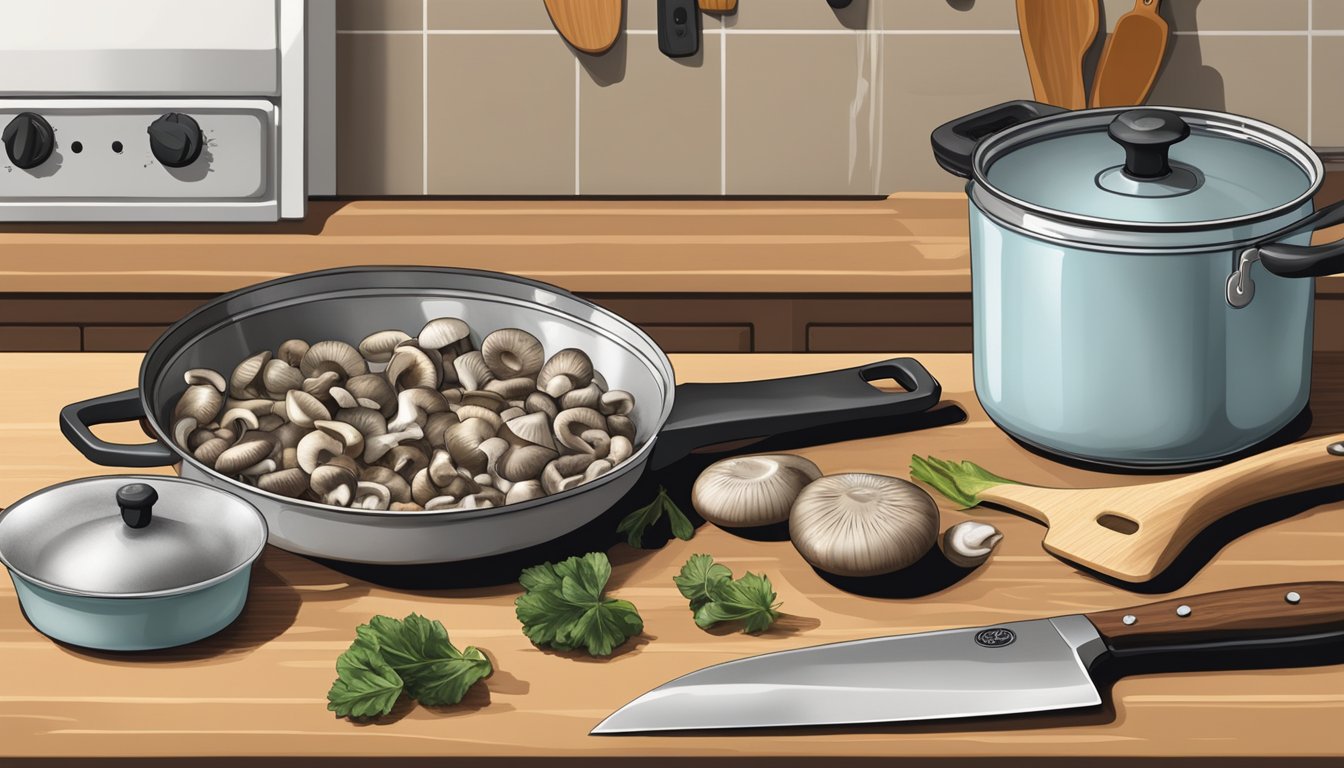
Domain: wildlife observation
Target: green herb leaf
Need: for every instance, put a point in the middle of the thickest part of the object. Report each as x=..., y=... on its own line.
x=636, y=523
x=435, y=672
x=681, y=525
x=750, y=599
x=564, y=606
x=365, y=686
x=699, y=577
x=962, y=483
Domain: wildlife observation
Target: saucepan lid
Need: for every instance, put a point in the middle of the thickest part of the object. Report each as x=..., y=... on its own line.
x=1151, y=170
x=130, y=536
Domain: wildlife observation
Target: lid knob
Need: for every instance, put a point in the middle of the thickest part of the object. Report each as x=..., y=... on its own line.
x=1147, y=136
x=137, y=503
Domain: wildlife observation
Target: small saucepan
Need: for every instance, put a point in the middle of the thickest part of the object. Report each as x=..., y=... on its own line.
x=131, y=563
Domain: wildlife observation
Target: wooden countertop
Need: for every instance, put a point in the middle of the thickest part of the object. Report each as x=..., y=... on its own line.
x=908, y=243
x=258, y=688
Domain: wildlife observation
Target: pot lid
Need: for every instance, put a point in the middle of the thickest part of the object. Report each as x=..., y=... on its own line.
x=130, y=536
x=1160, y=167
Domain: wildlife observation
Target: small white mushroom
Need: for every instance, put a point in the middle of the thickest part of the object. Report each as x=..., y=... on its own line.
x=472, y=372
x=205, y=376
x=863, y=525
x=411, y=366
x=375, y=447
x=377, y=347
x=570, y=424
x=566, y=370
x=278, y=377
x=183, y=428
x=370, y=495
x=304, y=409
x=317, y=448
x=524, y=491
x=243, y=382
x=512, y=353
x=239, y=420
x=414, y=405
x=445, y=334
x=746, y=491
x=969, y=543
x=617, y=401
x=292, y=351
x=200, y=402
x=621, y=449
x=343, y=399
x=263, y=467
x=290, y=483
x=350, y=437
x=596, y=470
x=244, y=454
x=338, y=352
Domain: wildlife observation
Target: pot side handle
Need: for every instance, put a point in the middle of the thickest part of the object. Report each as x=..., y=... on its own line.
x=710, y=414
x=1307, y=260
x=76, y=419
x=954, y=142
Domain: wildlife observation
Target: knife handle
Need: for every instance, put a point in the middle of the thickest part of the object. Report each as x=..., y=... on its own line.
x=1233, y=617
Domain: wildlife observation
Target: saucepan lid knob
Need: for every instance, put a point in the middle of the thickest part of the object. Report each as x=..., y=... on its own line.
x=1147, y=136
x=137, y=503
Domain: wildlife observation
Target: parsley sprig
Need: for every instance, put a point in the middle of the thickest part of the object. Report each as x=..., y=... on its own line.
x=636, y=523
x=413, y=655
x=564, y=606
x=715, y=596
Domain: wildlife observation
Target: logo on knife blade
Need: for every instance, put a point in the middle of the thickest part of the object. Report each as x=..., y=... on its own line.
x=996, y=637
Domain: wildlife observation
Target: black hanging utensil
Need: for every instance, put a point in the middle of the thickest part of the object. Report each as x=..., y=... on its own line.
x=678, y=28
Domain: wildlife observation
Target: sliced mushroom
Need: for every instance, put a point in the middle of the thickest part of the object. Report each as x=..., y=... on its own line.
x=289, y=434
x=263, y=467
x=239, y=420
x=441, y=502
x=304, y=409
x=258, y=405
x=402, y=506
x=209, y=376
x=540, y=402
x=573, y=422
x=209, y=452
x=334, y=483
x=411, y=367
x=320, y=384
x=370, y=495
x=183, y=429
x=524, y=491
x=512, y=353
x=414, y=406
x=405, y=459
x=368, y=421
x=292, y=351
x=342, y=397
x=377, y=347
x=270, y=422
x=530, y=429
x=243, y=382
x=396, y=485
x=463, y=441
x=244, y=454
x=441, y=469
x=553, y=481
x=200, y=402
x=373, y=387
x=318, y=448
x=278, y=377
x=290, y=483
x=338, y=352
x=422, y=488
x=598, y=440
x=350, y=437
x=567, y=369
x=621, y=449
x=616, y=401
x=584, y=397
x=472, y=372
x=197, y=438
x=436, y=424
x=375, y=447
x=596, y=470
x=483, y=398
x=445, y=334
x=485, y=498
x=512, y=412
x=511, y=389
x=465, y=412
x=621, y=425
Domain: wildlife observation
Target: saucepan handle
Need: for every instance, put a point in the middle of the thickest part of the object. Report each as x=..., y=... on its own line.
x=710, y=414
x=122, y=406
x=1306, y=260
x=954, y=142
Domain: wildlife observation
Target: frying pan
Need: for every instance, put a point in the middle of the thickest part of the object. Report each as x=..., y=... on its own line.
x=670, y=421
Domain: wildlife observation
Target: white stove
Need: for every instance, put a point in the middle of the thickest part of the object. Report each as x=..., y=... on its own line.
x=156, y=110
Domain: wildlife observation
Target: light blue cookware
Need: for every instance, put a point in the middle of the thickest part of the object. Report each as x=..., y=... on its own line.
x=1137, y=278
x=128, y=563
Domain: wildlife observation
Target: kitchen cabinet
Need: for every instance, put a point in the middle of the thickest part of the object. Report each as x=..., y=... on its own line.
x=257, y=689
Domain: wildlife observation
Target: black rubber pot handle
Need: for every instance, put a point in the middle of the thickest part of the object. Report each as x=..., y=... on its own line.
x=954, y=142
x=122, y=406
x=1306, y=260
x=709, y=414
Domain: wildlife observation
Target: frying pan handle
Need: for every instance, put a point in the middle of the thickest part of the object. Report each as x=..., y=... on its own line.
x=709, y=414
x=122, y=406
x=954, y=142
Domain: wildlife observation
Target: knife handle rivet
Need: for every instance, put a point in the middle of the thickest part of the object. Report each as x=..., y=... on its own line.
x=1129, y=618
x=1293, y=598
x=1335, y=449
x=1183, y=611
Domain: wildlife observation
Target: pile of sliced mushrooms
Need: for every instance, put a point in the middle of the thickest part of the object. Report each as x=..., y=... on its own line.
x=853, y=524
x=409, y=423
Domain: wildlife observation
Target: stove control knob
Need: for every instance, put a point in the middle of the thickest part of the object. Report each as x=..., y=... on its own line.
x=29, y=140
x=175, y=139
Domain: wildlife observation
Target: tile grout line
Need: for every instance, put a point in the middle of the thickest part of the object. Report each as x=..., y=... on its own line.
x=424, y=97
x=577, y=80
x=850, y=32
x=1310, y=63
x=723, y=110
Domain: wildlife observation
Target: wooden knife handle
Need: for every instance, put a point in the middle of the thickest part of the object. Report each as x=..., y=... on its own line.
x=1230, y=617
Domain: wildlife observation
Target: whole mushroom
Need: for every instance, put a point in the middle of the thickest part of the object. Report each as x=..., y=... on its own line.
x=969, y=543
x=746, y=491
x=863, y=525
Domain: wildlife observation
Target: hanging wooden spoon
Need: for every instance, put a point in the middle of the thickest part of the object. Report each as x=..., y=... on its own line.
x=1131, y=58
x=589, y=25
x=1055, y=36
x=718, y=6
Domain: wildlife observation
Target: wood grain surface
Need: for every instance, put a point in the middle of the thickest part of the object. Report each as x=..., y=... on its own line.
x=1055, y=36
x=589, y=25
x=1131, y=58
x=908, y=243
x=257, y=689
x=1248, y=613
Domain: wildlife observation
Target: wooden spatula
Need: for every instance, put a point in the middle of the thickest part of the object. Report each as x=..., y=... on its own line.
x=1133, y=54
x=589, y=25
x=1055, y=36
x=1133, y=533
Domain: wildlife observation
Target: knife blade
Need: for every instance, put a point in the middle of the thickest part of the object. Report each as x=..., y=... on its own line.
x=1018, y=667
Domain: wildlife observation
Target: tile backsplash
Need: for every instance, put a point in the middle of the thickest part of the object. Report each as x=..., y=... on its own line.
x=786, y=97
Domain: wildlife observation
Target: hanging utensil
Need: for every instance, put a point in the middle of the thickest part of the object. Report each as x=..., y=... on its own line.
x=589, y=25
x=1021, y=666
x=1131, y=58
x=1055, y=36
x=718, y=6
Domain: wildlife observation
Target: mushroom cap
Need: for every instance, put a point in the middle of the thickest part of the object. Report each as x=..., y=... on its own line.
x=969, y=543
x=512, y=353
x=746, y=491
x=863, y=525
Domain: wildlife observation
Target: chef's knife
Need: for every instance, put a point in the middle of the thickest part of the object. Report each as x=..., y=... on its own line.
x=1022, y=666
